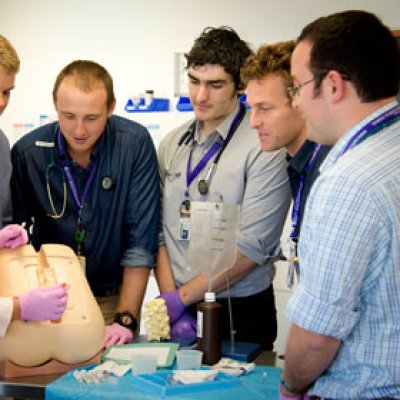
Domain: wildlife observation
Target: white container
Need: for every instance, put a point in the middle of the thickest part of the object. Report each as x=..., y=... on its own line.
x=144, y=364
x=188, y=359
x=148, y=97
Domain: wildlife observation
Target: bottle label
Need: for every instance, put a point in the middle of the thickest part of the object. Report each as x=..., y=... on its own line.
x=199, y=324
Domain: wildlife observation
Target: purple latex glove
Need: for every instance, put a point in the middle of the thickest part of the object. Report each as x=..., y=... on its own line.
x=116, y=334
x=174, y=305
x=13, y=236
x=44, y=303
x=184, y=327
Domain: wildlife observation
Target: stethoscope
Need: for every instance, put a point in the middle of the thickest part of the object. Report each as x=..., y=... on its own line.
x=184, y=140
x=107, y=181
x=203, y=185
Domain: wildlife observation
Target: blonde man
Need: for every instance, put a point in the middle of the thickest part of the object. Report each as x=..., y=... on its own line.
x=9, y=67
x=266, y=74
x=43, y=303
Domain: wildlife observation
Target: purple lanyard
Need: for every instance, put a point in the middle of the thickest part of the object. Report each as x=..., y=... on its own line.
x=219, y=145
x=299, y=194
x=192, y=174
x=70, y=179
x=380, y=122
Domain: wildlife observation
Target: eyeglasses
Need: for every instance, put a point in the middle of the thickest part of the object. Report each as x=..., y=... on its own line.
x=318, y=78
x=293, y=90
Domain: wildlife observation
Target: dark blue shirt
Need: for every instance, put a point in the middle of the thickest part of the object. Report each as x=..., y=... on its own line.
x=120, y=224
x=297, y=166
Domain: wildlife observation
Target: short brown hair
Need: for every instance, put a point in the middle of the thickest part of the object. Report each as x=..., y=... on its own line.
x=269, y=59
x=360, y=47
x=9, y=59
x=88, y=75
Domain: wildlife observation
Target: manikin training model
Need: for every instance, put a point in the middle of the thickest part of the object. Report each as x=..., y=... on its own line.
x=77, y=336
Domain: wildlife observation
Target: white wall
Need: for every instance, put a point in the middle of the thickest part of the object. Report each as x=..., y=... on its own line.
x=135, y=40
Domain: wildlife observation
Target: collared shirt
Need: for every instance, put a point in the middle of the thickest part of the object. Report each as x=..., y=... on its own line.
x=245, y=175
x=120, y=224
x=296, y=168
x=350, y=266
x=5, y=175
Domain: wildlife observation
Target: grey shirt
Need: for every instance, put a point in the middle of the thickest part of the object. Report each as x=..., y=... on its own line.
x=245, y=175
x=5, y=175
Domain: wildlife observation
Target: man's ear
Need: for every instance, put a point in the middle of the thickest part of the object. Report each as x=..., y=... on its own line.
x=335, y=85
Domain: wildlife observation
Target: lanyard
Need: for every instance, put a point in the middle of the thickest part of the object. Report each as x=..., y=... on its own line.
x=79, y=201
x=380, y=122
x=377, y=124
x=218, y=147
x=299, y=194
x=192, y=174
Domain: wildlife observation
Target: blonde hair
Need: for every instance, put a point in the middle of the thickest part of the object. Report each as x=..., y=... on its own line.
x=269, y=59
x=9, y=59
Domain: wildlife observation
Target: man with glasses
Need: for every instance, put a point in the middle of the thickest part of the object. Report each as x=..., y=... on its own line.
x=344, y=342
x=270, y=92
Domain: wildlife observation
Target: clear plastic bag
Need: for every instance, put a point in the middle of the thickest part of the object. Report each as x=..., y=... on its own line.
x=213, y=237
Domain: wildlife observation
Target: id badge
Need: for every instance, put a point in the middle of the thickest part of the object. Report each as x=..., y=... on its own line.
x=82, y=261
x=184, y=220
x=184, y=228
x=294, y=267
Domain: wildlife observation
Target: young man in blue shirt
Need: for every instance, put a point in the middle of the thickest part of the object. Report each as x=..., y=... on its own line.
x=90, y=181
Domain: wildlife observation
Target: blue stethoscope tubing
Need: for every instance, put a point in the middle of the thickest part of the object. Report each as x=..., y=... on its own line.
x=107, y=181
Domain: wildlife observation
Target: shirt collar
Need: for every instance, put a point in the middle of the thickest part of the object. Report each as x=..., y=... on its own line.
x=221, y=130
x=299, y=161
x=98, y=148
x=341, y=144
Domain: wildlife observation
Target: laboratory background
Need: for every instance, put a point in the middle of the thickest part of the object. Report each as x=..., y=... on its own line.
x=142, y=43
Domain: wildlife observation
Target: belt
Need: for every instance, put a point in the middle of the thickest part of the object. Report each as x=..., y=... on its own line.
x=105, y=292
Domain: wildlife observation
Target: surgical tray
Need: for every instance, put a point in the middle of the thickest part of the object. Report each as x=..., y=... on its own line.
x=160, y=384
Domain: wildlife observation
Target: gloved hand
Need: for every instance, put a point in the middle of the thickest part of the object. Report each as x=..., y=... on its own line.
x=116, y=334
x=44, y=303
x=174, y=305
x=13, y=236
x=184, y=327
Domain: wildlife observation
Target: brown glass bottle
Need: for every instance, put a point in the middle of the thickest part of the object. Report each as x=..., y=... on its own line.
x=209, y=329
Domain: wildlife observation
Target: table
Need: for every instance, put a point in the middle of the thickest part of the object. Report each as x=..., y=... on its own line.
x=26, y=387
x=33, y=387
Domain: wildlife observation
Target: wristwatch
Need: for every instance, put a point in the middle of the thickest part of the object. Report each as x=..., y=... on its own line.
x=127, y=320
x=289, y=389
